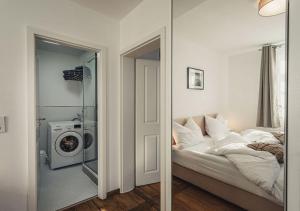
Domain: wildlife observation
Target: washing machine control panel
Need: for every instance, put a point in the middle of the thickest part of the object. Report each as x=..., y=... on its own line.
x=76, y=126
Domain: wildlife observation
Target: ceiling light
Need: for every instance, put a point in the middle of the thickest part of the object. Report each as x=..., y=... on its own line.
x=51, y=42
x=271, y=7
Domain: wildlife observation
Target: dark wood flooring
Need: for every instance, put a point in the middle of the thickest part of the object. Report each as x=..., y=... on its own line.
x=186, y=197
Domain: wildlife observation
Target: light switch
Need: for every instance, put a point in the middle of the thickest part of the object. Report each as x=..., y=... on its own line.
x=2, y=124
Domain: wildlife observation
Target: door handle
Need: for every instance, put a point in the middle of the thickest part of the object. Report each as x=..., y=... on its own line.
x=40, y=119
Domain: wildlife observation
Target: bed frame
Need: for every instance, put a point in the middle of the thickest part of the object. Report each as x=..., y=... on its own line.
x=235, y=195
x=240, y=197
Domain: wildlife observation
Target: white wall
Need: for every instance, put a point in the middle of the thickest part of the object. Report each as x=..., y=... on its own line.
x=128, y=158
x=195, y=53
x=189, y=102
x=293, y=184
x=243, y=88
x=58, y=16
x=148, y=17
x=54, y=90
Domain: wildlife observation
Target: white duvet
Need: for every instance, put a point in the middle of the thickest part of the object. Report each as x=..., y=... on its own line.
x=259, y=167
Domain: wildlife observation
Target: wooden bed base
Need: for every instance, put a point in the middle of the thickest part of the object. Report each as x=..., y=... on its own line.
x=242, y=198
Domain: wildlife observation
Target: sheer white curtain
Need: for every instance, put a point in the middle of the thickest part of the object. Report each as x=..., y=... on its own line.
x=281, y=71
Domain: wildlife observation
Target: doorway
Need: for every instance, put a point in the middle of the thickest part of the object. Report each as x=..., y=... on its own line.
x=66, y=121
x=141, y=117
x=67, y=102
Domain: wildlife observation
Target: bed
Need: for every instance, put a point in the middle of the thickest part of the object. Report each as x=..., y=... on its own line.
x=218, y=175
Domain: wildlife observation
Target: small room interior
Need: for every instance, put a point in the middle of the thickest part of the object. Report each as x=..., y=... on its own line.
x=140, y=148
x=67, y=124
x=229, y=105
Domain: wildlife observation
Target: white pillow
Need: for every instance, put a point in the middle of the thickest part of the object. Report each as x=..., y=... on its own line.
x=188, y=135
x=222, y=119
x=216, y=128
x=192, y=125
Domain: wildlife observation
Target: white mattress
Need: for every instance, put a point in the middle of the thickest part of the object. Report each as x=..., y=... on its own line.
x=217, y=167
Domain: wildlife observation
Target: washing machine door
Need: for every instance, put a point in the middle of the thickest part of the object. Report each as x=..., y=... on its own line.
x=69, y=144
x=88, y=139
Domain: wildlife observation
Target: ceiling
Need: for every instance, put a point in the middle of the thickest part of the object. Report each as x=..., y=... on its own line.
x=115, y=9
x=228, y=26
x=182, y=6
x=48, y=45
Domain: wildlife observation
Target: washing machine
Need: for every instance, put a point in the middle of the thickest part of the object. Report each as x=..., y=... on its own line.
x=65, y=143
x=90, y=140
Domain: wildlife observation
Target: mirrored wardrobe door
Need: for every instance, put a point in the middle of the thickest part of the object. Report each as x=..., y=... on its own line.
x=229, y=104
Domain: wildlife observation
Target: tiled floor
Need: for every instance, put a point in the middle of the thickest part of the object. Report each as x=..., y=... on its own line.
x=63, y=187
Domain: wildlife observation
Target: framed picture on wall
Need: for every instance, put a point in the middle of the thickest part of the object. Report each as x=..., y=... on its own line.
x=195, y=78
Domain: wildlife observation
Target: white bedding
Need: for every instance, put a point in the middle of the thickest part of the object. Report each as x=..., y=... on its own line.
x=220, y=168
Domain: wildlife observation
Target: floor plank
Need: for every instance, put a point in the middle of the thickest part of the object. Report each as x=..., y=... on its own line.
x=186, y=197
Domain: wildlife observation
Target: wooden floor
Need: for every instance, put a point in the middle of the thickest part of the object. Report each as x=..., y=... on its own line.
x=186, y=197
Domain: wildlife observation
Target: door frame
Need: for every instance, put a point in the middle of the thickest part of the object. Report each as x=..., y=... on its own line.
x=165, y=115
x=102, y=85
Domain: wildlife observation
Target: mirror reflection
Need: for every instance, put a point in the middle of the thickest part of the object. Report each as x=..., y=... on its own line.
x=229, y=105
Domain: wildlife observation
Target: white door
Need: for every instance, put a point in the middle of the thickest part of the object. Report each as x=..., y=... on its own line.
x=147, y=122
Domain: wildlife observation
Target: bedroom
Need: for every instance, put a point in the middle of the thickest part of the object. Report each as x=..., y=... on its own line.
x=234, y=90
